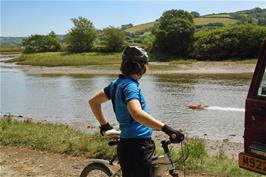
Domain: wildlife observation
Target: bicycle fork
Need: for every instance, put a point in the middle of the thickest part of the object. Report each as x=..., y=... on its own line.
x=162, y=163
x=171, y=166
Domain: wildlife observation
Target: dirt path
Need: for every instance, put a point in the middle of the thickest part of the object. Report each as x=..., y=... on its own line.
x=23, y=162
x=20, y=162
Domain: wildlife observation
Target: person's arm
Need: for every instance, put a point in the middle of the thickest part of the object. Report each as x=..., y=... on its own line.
x=95, y=103
x=141, y=116
x=146, y=119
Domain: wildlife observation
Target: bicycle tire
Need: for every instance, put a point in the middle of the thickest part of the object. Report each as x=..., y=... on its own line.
x=96, y=170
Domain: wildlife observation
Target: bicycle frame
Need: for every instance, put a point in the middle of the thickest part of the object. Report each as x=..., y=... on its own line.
x=160, y=164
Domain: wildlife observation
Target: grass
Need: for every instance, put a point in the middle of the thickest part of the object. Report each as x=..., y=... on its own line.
x=223, y=15
x=140, y=27
x=53, y=137
x=63, y=59
x=206, y=20
x=248, y=61
x=10, y=49
x=182, y=61
x=106, y=60
x=63, y=139
x=222, y=18
x=220, y=165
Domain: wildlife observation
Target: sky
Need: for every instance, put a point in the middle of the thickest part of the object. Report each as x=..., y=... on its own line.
x=23, y=18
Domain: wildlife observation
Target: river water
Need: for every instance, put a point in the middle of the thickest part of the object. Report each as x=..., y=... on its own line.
x=64, y=99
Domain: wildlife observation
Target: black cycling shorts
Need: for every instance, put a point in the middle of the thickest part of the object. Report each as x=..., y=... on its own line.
x=135, y=157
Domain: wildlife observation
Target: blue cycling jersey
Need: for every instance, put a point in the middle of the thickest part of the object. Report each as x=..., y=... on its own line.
x=126, y=88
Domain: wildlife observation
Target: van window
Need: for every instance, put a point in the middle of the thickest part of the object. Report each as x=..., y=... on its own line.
x=262, y=86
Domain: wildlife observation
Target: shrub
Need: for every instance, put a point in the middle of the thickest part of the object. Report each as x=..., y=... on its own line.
x=41, y=43
x=243, y=41
x=112, y=39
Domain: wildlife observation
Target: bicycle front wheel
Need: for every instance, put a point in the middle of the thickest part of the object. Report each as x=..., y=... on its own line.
x=95, y=170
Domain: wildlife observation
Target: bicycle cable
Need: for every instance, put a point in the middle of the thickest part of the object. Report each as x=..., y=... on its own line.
x=184, y=160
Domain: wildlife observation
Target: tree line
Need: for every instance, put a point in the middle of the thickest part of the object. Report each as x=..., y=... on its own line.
x=174, y=34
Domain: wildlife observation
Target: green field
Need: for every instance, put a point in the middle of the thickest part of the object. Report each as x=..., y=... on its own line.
x=63, y=59
x=10, y=49
x=223, y=15
x=106, y=60
x=205, y=21
x=198, y=21
x=140, y=27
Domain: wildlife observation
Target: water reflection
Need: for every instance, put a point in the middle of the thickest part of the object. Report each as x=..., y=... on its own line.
x=64, y=99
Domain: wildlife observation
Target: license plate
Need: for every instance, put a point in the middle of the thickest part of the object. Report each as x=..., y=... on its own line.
x=252, y=163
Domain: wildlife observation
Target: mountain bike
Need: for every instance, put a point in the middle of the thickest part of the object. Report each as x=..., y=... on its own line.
x=111, y=168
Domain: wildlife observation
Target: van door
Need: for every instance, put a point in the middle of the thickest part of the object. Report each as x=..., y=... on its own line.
x=254, y=155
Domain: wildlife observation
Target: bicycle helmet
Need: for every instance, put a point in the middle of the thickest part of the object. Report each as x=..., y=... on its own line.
x=135, y=54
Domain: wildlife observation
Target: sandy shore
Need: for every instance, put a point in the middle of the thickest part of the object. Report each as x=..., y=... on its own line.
x=157, y=68
x=195, y=68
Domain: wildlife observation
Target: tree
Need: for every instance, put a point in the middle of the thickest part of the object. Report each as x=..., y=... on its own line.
x=41, y=43
x=126, y=26
x=262, y=21
x=112, y=39
x=174, y=33
x=81, y=37
x=243, y=19
x=239, y=41
x=52, y=42
x=195, y=14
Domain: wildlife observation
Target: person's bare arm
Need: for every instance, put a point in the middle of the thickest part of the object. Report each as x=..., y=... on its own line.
x=142, y=117
x=95, y=104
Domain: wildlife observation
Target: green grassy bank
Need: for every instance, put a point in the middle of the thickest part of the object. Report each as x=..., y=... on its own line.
x=63, y=59
x=100, y=59
x=10, y=49
x=83, y=59
x=63, y=139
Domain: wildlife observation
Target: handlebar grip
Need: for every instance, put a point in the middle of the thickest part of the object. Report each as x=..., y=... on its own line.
x=177, y=137
x=173, y=136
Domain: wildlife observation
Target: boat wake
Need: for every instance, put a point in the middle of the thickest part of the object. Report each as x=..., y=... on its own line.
x=217, y=108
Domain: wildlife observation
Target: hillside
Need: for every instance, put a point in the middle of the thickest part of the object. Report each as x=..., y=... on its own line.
x=254, y=16
x=140, y=27
x=198, y=21
x=225, y=18
x=10, y=41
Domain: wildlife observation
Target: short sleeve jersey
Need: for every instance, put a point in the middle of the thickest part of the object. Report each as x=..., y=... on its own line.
x=126, y=89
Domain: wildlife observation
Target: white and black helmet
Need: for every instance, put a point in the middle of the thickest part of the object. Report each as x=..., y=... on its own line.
x=135, y=54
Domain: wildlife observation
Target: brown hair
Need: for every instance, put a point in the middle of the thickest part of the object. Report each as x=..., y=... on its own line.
x=128, y=68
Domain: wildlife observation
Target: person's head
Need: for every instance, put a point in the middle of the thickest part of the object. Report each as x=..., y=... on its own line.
x=134, y=61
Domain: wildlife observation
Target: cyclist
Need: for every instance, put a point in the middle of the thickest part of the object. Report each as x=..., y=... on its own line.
x=136, y=147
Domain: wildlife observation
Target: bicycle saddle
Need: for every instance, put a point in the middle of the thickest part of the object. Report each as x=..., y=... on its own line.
x=112, y=133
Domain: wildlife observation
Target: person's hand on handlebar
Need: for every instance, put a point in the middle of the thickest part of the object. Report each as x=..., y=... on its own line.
x=174, y=135
x=105, y=127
